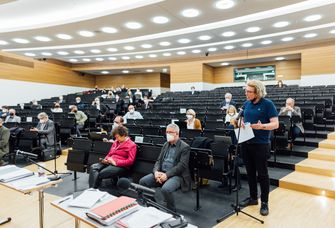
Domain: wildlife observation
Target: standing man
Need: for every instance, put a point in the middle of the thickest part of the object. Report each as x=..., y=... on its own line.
x=4, y=139
x=263, y=117
x=171, y=170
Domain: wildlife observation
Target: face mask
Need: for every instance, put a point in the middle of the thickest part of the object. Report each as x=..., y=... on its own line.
x=75, y=111
x=42, y=121
x=228, y=100
x=78, y=101
x=169, y=137
x=131, y=111
x=189, y=117
x=11, y=114
x=115, y=125
x=231, y=113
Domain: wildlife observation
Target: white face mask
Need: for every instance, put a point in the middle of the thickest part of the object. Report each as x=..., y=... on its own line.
x=189, y=117
x=115, y=125
x=169, y=137
x=231, y=113
x=228, y=100
x=131, y=111
x=78, y=101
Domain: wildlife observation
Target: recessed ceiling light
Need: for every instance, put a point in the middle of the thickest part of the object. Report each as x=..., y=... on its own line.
x=2, y=42
x=152, y=55
x=86, y=60
x=165, y=43
x=21, y=41
x=109, y=30
x=196, y=51
x=149, y=70
x=112, y=58
x=286, y=39
x=64, y=36
x=246, y=45
x=160, y=20
x=79, y=52
x=99, y=59
x=184, y=41
x=181, y=53
x=224, y=64
x=164, y=70
x=167, y=54
x=228, y=34
x=332, y=31
x=125, y=57
x=139, y=56
x=125, y=71
x=112, y=49
x=62, y=53
x=73, y=60
x=281, y=24
x=224, y=4
x=146, y=46
x=190, y=13
x=129, y=48
x=204, y=37
x=104, y=72
x=229, y=47
x=46, y=53
x=212, y=49
x=265, y=42
x=280, y=58
x=310, y=35
x=42, y=38
x=253, y=29
x=86, y=33
x=313, y=18
x=95, y=51
x=133, y=25
x=29, y=54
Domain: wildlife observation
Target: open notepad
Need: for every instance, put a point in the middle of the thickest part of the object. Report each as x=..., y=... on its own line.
x=11, y=172
x=88, y=198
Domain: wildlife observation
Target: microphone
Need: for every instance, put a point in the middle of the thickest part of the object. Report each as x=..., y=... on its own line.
x=124, y=184
x=240, y=113
x=26, y=154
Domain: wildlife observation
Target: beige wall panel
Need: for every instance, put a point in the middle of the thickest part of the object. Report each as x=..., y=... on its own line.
x=130, y=81
x=208, y=74
x=165, y=80
x=186, y=72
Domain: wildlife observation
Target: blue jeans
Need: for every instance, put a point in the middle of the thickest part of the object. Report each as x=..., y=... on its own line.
x=172, y=184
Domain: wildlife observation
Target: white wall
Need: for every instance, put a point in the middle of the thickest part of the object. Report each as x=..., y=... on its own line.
x=15, y=92
x=315, y=80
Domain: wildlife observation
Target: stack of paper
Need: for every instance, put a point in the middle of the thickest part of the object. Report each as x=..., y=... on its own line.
x=88, y=198
x=28, y=182
x=11, y=172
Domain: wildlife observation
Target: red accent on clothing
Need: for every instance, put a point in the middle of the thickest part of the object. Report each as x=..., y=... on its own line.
x=123, y=153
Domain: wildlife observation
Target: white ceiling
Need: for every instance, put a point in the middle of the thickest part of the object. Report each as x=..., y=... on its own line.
x=71, y=18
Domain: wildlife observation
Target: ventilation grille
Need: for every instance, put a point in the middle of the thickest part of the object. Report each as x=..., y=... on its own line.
x=14, y=61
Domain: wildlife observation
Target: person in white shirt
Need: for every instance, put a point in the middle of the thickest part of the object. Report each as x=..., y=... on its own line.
x=132, y=114
x=57, y=108
x=138, y=94
x=230, y=121
x=12, y=117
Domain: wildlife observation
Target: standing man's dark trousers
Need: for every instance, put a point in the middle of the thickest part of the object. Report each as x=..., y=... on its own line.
x=99, y=171
x=255, y=159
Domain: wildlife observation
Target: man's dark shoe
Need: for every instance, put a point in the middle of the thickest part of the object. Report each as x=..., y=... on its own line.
x=264, y=209
x=3, y=163
x=248, y=202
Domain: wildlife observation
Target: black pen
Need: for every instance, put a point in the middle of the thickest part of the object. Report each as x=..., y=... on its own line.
x=63, y=200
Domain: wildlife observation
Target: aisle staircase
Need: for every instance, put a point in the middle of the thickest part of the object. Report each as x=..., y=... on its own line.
x=316, y=174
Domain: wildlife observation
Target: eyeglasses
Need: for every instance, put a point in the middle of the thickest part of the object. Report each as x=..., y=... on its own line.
x=249, y=91
x=170, y=132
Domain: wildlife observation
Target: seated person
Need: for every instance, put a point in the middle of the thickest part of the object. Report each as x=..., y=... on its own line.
x=231, y=115
x=46, y=129
x=280, y=84
x=57, y=108
x=171, y=170
x=80, y=119
x=118, y=121
x=117, y=162
x=80, y=105
x=228, y=101
x=193, y=91
x=147, y=102
x=132, y=114
x=291, y=110
x=4, y=139
x=4, y=112
x=119, y=110
x=35, y=105
x=12, y=117
x=192, y=122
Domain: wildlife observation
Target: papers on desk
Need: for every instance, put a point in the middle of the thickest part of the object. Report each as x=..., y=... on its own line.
x=246, y=133
x=11, y=172
x=28, y=182
x=88, y=198
x=146, y=217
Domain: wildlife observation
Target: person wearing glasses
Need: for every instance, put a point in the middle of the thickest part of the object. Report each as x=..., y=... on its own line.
x=263, y=118
x=171, y=170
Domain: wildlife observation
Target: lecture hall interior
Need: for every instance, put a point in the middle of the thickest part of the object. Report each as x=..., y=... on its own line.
x=167, y=113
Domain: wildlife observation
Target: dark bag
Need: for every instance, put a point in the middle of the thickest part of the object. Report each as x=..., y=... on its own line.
x=201, y=142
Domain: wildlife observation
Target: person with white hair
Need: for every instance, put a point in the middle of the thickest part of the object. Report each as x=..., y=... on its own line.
x=171, y=170
x=12, y=117
x=4, y=142
x=46, y=129
x=262, y=115
x=227, y=102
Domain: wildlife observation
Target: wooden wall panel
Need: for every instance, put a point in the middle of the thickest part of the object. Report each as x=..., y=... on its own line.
x=42, y=72
x=165, y=80
x=129, y=80
x=208, y=74
x=186, y=72
x=318, y=61
x=290, y=70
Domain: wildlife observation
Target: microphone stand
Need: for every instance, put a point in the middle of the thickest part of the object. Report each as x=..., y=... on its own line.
x=236, y=207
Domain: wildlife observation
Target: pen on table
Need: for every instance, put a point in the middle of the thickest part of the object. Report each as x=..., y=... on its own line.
x=67, y=198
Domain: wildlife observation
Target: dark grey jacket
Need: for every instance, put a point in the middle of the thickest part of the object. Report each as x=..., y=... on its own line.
x=296, y=112
x=4, y=138
x=180, y=167
x=47, y=131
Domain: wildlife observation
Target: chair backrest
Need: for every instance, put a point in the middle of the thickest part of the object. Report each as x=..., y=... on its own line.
x=82, y=144
x=101, y=147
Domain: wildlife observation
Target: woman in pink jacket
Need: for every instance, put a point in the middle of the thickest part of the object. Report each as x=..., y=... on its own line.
x=117, y=162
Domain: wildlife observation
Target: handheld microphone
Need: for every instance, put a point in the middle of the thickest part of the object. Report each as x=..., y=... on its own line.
x=124, y=184
x=26, y=154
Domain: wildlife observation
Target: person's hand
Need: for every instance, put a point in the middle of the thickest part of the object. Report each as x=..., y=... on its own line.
x=162, y=178
x=111, y=161
x=105, y=140
x=34, y=129
x=157, y=175
x=103, y=161
x=257, y=125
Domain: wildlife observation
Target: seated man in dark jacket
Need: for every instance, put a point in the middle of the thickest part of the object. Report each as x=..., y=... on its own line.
x=4, y=139
x=45, y=128
x=171, y=170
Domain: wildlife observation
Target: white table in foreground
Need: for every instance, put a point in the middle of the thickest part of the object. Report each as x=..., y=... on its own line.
x=79, y=214
x=40, y=190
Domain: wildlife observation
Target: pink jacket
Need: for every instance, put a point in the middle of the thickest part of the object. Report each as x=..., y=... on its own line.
x=123, y=153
